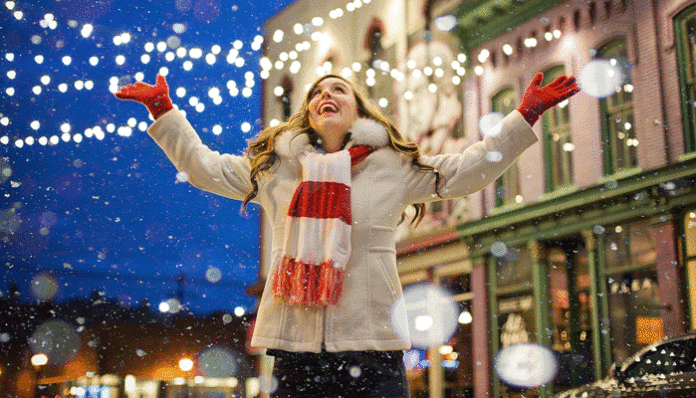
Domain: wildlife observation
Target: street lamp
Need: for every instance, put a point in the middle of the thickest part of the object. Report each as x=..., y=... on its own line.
x=38, y=360
x=185, y=364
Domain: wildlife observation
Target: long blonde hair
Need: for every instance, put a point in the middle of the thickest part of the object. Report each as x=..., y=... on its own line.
x=262, y=155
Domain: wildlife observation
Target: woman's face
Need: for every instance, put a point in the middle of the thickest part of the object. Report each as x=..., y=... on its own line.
x=332, y=108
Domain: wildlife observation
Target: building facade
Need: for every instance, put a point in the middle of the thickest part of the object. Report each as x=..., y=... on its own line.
x=587, y=244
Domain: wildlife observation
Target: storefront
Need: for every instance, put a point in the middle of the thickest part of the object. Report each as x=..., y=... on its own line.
x=594, y=276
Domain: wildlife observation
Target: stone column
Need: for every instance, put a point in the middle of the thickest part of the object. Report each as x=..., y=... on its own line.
x=480, y=330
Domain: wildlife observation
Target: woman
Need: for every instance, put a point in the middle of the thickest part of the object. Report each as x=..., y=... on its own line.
x=335, y=181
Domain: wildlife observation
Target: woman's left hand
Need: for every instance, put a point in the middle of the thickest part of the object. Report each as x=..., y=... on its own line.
x=537, y=100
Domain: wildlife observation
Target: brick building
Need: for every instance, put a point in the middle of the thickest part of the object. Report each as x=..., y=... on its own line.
x=587, y=245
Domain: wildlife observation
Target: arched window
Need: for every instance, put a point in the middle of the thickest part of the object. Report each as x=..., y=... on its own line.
x=374, y=45
x=381, y=60
x=286, y=98
x=685, y=27
x=619, y=135
x=507, y=187
x=558, y=147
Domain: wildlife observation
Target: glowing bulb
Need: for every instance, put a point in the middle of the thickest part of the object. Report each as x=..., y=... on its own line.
x=39, y=359
x=186, y=364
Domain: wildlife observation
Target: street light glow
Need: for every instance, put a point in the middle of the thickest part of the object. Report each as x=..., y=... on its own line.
x=39, y=359
x=185, y=364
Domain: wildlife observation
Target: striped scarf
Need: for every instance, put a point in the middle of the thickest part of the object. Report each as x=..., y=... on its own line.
x=316, y=245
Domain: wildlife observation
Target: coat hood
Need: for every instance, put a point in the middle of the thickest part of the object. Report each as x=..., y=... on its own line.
x=364, y=132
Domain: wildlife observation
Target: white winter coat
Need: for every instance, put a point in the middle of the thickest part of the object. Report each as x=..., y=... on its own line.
x=383, y=185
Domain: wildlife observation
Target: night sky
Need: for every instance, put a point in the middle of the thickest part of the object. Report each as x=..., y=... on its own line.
x=87, y=195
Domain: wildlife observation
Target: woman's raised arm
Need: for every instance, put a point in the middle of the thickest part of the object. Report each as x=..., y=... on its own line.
x=482, y=163
x=222, y=174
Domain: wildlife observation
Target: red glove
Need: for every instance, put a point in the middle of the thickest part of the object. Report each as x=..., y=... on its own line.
x=155, y=98
x=537, y=100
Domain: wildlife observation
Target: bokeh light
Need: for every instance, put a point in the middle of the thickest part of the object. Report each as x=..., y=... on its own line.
x=217, y=362
x=44, y=286
x=526, y=365
x=429, y=312
x=601, y=78
x=57, y=339
x=489, y=124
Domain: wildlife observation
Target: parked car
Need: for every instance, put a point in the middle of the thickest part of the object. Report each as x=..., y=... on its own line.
x=663, y=369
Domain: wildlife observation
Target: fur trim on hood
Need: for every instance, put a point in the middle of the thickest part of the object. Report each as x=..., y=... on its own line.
x=364, y=132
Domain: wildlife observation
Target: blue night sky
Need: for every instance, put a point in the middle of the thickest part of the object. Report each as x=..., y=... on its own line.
x=109, y=214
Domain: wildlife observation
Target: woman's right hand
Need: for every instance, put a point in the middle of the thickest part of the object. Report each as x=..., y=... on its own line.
x=155, y=98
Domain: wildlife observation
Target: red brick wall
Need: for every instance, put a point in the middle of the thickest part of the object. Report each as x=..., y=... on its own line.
x=647, y=27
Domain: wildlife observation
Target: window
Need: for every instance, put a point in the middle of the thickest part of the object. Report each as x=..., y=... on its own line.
x=685, y=36
x=375, y=46
x=558, y=148
x=634, y=302
x=459, y=364
x=514, y=268
x=690, y=254
x=381, y=61
x=285, y=99
x=571, y=311
x=507, y=187
x=619, y=136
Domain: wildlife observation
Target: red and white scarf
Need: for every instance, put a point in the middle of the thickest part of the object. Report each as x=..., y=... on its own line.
x=317, y=238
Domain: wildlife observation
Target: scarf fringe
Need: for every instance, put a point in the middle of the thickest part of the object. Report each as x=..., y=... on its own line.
x=300, y=283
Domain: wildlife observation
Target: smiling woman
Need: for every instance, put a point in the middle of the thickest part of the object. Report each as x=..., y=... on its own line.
x=336, y=175
x=332, y=111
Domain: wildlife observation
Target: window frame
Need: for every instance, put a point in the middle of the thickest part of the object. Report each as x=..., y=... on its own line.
x=688, y=114
x=608, y=110
x=551, y=127
x=497, y=105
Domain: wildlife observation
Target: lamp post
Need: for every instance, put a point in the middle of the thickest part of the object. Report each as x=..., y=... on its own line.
x=38, y=360
x=186, y=364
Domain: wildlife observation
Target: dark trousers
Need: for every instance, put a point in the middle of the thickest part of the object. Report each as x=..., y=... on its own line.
x=347, y=374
